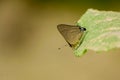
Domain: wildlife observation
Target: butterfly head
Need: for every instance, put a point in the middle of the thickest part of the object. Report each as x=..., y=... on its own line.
x=82, y=29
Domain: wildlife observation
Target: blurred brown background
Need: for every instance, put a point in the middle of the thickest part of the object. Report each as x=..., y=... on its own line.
x=29, y=42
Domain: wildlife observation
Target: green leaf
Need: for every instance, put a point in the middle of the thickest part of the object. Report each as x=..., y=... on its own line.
x=103, y=31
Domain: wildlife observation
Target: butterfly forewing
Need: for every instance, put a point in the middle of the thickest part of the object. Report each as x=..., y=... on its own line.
x=72, y=34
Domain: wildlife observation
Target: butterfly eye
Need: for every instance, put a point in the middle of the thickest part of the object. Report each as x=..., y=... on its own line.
x=84, y=29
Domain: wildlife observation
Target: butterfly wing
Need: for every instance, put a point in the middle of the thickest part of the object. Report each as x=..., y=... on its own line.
x=72, y=34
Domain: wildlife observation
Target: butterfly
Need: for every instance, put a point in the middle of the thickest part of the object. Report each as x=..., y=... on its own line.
x=71, y=33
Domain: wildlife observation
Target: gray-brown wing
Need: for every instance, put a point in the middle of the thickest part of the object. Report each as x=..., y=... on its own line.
x=72, y=34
